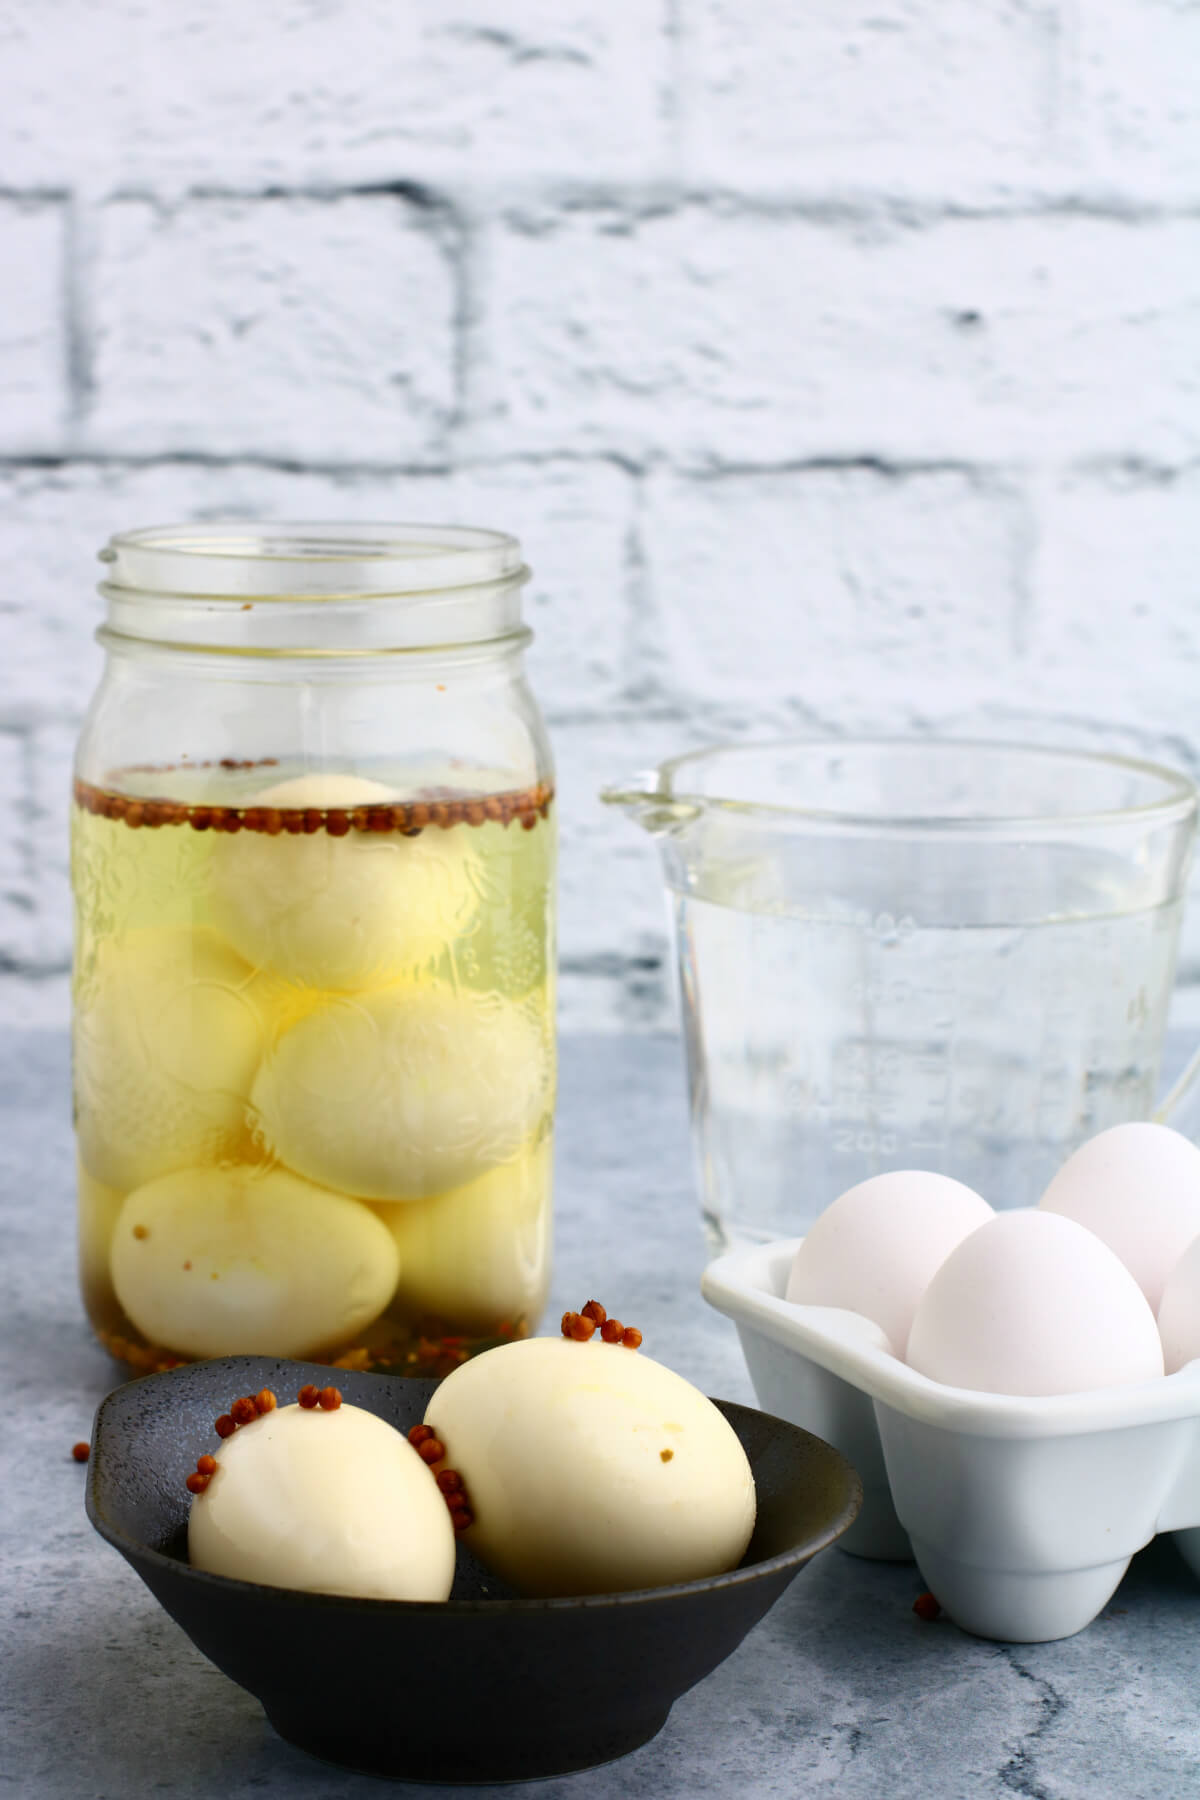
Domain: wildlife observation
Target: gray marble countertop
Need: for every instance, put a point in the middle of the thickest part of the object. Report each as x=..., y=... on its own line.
x=840, y=1689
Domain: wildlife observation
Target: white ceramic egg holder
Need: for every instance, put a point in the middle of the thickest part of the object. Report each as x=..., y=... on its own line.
x=1022, y=1514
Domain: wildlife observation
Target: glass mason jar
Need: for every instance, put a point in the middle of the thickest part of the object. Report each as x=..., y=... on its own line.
x=313, y=848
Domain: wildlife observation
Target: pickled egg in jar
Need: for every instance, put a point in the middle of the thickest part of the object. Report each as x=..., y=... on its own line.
x=313, y=854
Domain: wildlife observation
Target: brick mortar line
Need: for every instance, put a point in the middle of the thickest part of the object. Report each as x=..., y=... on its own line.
x=700, y=468
x=36, y=196
x=603, y=964
x=638, y=653
x=849, y=204
x=26, y=724
x=469, y=347
x=717, y=468
x=78, y=336
x=441, y=466
x=27, y=811
x=504, y=199
x=673, y=100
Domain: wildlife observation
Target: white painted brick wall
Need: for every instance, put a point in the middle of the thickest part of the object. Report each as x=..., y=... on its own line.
x=853, y=85
x=319, y=91
x=1119, y=576
x=838, y=365
x=285, y=327
x=34, y=329
x=18, y=889
x=795, y=572
x=706, y=332
x=1138, y=94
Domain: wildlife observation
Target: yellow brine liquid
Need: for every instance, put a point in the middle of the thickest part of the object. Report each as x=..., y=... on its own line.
x=314, y=1063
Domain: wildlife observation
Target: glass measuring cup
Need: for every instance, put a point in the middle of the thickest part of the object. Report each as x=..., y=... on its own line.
x=950, y=956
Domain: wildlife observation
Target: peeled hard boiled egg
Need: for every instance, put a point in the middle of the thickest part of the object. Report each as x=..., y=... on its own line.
x=341, y=913
x=406, y=1092
x=239, y=1261
x=1137, y=1186
x=480, y=1253
x=592, y=1469
x=167, y=1039
x=1032, y=1303
x=327, y=1502
x=875, y=1250
x=99, y=1209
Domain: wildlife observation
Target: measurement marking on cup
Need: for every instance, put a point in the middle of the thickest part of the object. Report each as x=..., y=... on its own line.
x=816, y=1068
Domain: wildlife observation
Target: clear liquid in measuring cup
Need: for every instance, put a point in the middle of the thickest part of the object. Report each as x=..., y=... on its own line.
x=823, y=1050
x=314, y=1063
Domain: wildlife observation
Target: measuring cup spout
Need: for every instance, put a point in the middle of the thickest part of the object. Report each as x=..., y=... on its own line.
x=643, y=801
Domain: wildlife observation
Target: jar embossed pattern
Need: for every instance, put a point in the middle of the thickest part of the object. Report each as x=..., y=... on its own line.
x=313, y=850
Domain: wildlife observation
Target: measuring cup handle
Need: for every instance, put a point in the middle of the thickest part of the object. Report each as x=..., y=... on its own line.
x=1180, y=1105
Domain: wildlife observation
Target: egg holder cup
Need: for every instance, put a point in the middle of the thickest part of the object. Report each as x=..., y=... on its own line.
x=1021, y=1513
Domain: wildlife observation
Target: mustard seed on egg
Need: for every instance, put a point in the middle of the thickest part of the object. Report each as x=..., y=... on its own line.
x=573, y=1494
x=345, y=1506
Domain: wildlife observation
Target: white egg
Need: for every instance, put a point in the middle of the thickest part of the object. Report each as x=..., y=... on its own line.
x=1032, y=1303
x=167, y=1039
x=590, y=1468
x=480, y=1254
x=1137, y=1186
x=875, y=1250
x=1179, y=1311
x=342, y=913
x=405, y=1093
x=327, y=1502
x=244, y=1261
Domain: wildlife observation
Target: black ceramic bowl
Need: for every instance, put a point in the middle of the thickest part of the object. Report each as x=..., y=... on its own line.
x=485, y=1686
